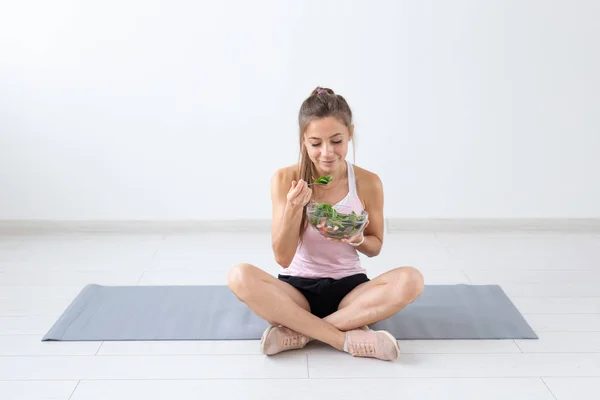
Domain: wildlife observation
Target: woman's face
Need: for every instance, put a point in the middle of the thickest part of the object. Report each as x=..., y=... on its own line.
x=326, y=142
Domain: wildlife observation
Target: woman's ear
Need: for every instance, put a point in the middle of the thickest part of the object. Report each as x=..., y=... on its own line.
x=351, y=131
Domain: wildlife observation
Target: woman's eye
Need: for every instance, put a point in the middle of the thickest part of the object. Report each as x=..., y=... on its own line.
x=318, y=144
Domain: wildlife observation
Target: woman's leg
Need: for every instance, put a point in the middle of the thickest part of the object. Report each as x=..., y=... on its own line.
x=279, y=303
x=377, y=299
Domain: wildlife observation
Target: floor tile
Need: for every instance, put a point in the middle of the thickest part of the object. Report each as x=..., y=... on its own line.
x=458, y=346
x=573, y=290
x=455, y=365
x=574, y=388
x=180, y=347
x=27, y=325
x=69, y=250
x=216, y=248
x=32, y=307
x=562, y=342
x=185, y=277
x=421, y=251
x=522, y=251
x=10, y=242
x=69, y=278
x=36, y=390
x=76, y=245
x=486, y=277
x=564, y=322
x=23, y=293
x=567, y=305
x=62, y=267
x=32, y=345
x=153, y=367
x=301, y=389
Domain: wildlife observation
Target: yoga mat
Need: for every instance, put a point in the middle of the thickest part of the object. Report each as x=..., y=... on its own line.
x=214, y=313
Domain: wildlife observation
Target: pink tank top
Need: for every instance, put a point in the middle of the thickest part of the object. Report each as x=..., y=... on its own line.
x=318, y=257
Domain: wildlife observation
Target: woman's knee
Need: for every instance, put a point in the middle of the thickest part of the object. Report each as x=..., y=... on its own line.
x=240, y=278
x=410, y=283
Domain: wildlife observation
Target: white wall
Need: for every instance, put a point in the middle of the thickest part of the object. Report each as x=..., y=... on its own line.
x=136, y=109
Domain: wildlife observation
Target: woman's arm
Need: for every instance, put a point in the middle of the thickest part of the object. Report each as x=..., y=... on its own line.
x=370, y=188
x=288, y=206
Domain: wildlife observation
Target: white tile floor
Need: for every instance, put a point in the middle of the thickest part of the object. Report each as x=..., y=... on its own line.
x=552, y=277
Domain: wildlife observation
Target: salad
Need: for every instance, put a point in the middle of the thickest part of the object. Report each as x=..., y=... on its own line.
x=331, y=223
x=324, y=180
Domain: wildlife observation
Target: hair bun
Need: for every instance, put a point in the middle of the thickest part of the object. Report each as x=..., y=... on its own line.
x=320, y=90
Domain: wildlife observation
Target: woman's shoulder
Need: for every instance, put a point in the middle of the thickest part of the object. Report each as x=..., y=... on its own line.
x=369, y=188
x=365, y=179
x=285, y=174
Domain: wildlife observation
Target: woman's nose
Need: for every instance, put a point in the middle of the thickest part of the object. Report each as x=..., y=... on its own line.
x=326, y=149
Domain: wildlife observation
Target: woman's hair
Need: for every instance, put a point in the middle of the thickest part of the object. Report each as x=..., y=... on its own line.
x=322, y=103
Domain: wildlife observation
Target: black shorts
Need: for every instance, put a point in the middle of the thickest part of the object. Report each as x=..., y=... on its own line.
x=324, y=294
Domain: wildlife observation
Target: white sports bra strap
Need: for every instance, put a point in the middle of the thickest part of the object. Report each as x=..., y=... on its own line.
x=351, y=179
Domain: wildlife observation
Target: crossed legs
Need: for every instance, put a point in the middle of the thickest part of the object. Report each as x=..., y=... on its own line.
x=281, y=304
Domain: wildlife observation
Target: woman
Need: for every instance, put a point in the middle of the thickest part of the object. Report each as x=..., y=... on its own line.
x=322, y=291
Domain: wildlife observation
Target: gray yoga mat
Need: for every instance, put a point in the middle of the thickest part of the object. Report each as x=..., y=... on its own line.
x=214, y=313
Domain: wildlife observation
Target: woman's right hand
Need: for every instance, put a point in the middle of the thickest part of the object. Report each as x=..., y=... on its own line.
x=299, y=194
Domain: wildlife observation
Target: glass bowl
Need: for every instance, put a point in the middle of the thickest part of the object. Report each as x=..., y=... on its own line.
x=339, y=222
